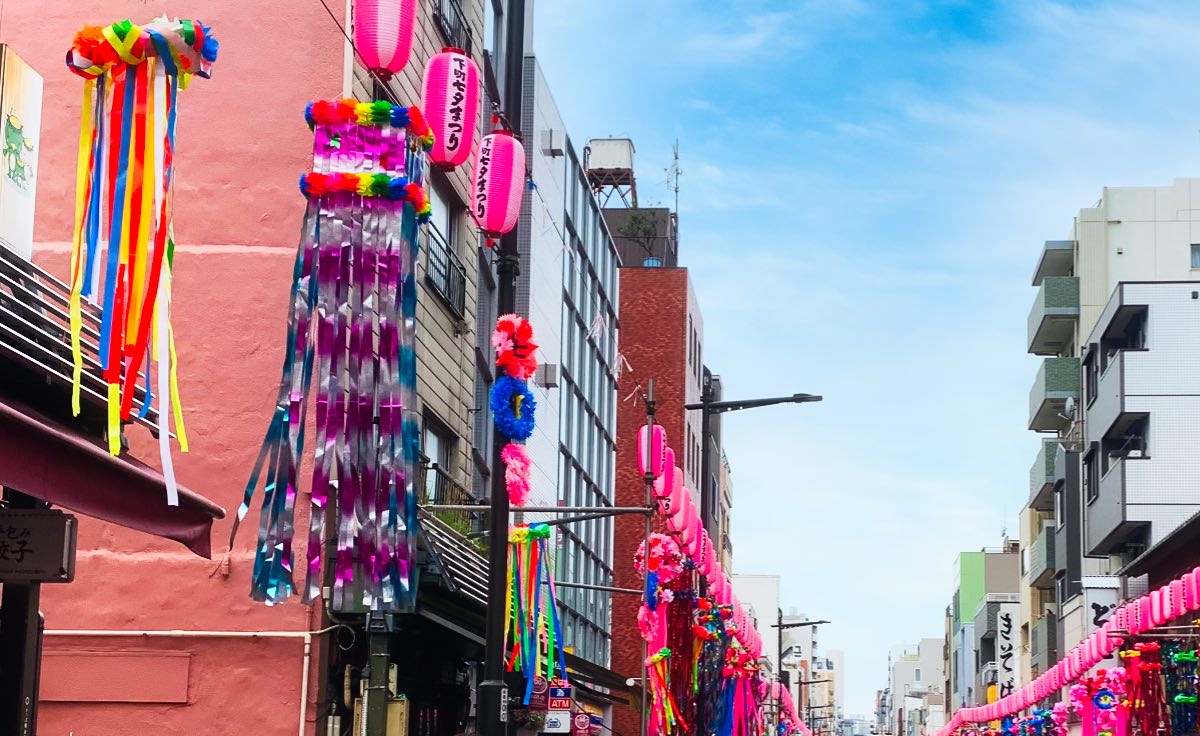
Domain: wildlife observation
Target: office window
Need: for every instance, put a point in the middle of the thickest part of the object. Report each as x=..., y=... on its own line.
x=1091, y=374
x=1060, y=504
x=917, y=675
x=1195, y=256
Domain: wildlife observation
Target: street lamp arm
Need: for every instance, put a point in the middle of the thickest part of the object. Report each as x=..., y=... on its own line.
x=797, y=624
x=720, y=407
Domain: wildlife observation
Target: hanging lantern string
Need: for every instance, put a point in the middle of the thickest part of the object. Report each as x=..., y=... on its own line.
x=387, y=91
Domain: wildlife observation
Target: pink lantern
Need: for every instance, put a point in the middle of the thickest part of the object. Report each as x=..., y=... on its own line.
x=498, y=181
x=665, y=482
x=383, y=33
x=1176, y=607
x=450, y=101
x=1192, y=580
x=652, y=444
x=1158, y=607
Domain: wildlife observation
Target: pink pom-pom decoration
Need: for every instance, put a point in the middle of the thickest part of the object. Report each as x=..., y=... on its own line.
x=498, y=183
x=516, y=473
x=383, y=33
x=665, y=558
x=450, y=101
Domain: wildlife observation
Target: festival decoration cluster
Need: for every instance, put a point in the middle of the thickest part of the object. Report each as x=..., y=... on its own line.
x=511, y=401
x=351, y=329
x=122, y=249
x=532, y=631
x=701, y=648
x=1152, y=691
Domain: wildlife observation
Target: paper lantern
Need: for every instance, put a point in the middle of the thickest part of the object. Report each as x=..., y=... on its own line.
x=450, y=101
x=665, y=482
x=1176, y=607
x=652, y=444
x=383, y=34
x=1158, y=607
x=497, y=183
x=1190, y=599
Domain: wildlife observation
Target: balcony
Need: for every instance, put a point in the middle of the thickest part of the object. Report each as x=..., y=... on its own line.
x=1057, y=380
x=1057, y=259
x=1105, y=514
x=446, y=273
x=1043, y=643
x=1042, y=558
x=1054, y=315
x=440, y=489
x=453, y=23
x=1041, y=476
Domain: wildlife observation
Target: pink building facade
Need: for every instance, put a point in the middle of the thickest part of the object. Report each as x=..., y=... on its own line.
x=228, y=665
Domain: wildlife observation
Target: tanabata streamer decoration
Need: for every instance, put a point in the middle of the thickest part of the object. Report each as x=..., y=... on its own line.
x=383, y=34
x=450, y=99
x=351, y=327
x=497, y=183
x=740, y=700
x=532, y=632
x=123, y=245
x=512, y=402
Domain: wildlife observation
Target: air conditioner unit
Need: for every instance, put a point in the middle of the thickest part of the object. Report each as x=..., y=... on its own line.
x=547, y=375
x=552, y=143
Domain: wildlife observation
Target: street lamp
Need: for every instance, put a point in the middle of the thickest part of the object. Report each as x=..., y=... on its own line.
x=708, y=407
x=779, y=635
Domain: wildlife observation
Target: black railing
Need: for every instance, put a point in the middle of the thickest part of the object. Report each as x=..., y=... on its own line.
x=446, y=273
x=453, y=22
x=439, y=489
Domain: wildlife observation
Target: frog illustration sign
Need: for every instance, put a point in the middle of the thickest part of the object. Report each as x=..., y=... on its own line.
x=17, y=146
x=21, y=110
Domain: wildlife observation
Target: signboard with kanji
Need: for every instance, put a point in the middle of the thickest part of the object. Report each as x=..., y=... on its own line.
x=581, y=725
x=537, y=700
x=37, y=546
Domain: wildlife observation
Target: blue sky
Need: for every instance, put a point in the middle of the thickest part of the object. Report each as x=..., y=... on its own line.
x=865, y=191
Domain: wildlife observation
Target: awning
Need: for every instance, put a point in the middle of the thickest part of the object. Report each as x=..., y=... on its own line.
x=44, y=459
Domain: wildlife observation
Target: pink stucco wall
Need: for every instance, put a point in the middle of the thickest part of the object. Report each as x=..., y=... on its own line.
x=242, y=143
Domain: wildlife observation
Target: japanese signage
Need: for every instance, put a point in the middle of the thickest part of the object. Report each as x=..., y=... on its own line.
x=560, y=695
x=37, y=546
x=1007, y=665
x=21, y=110
x=458, y=94
x=537, y=700
x=1100, y=600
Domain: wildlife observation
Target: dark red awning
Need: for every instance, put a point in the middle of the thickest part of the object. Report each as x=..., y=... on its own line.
x=44, y=459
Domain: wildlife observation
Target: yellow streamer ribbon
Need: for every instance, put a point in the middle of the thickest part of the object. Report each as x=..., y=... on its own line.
x=114, y=419
x=75, y=306
x=176, y=406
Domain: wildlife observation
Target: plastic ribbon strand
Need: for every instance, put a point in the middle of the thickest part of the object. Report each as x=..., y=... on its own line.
x=532, y=630
x=350, y=343
x=122, y=241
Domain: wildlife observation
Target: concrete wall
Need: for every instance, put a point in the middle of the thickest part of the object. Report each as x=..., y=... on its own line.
x=759, y=595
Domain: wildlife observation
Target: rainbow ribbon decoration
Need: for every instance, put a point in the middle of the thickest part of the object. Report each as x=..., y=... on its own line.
x=532, y=631
x=352, y=330
x=665, y=716
x=123, y=245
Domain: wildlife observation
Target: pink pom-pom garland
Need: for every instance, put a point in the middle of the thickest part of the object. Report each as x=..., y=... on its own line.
x=516, y=472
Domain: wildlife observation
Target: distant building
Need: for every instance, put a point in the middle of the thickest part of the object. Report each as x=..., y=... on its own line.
x=914, y=671
x=982, y=656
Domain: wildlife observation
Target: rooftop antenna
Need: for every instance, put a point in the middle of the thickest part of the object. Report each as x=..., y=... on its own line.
x=673, y=173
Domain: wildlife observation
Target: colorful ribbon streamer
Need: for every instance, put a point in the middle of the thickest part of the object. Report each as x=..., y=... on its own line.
x=123, y=210
x=532, y=630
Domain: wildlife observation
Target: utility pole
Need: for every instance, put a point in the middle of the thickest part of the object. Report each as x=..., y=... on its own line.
x=492, y=709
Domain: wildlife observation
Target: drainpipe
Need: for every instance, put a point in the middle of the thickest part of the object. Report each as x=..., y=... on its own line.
x=306, y=636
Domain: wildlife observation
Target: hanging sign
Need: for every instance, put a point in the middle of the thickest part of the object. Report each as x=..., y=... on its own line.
x=1006, y=649
x=538, y=700
x=37, y=546
x=581, y=725
x=558, y=721
x=561, y=695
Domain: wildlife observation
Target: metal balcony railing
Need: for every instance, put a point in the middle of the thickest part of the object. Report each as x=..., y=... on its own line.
x=453, y=23
x=446, y=273
x=439, y=489
x=35, y=345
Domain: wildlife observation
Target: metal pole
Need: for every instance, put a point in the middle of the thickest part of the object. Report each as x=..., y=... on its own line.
x=493, y=694
x=20, y=644
x=706, y=511
x=375, y=698
x=651, y=409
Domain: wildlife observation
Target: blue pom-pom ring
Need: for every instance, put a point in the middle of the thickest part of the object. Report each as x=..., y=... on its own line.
x=513, y=408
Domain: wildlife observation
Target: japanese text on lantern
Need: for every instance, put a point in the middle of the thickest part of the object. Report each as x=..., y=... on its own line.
x=459, y=84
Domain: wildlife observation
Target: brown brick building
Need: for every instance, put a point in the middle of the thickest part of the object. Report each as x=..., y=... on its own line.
x=661, y=339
